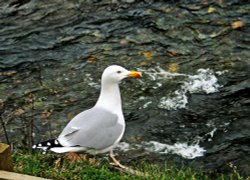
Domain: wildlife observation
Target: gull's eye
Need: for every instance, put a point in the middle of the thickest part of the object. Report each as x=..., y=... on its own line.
x=118, y=72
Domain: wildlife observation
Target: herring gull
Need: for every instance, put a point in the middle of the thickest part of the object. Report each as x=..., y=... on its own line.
x=99, y=129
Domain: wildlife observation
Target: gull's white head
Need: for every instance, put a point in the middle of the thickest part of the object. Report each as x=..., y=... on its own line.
x=115, y=73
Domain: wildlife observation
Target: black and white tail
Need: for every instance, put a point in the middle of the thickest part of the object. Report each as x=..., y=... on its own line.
x=47, y=145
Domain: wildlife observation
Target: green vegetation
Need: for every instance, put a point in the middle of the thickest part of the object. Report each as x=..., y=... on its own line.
x=57, y=167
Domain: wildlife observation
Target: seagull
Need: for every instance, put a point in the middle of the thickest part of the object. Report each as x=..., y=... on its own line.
x=100, y=128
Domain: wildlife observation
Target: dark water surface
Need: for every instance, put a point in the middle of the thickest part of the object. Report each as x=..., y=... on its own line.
x=192, y=105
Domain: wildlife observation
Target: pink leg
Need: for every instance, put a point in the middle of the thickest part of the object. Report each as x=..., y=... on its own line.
x=115, y=161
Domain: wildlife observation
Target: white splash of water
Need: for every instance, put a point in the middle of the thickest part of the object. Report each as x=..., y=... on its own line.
x=179, y=100
x=221, y=72
x=181, y=149
x=123, y=146
x=159, y=73
x=204, y=81
x=212, y=134
x=146, y=104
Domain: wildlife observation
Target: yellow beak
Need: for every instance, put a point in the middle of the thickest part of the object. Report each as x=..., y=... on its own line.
x=135, y=74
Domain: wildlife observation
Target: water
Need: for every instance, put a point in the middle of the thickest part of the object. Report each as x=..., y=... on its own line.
x=182, y=149
x=192, y=104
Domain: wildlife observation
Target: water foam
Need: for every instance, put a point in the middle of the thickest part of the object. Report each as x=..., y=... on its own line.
x=181, y=149
x=204, y=81
x=177, y=101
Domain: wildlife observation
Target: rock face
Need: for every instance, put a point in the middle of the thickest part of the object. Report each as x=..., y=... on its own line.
x=192, y=105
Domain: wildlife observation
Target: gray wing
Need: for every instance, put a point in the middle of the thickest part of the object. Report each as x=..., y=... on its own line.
x=95, y=128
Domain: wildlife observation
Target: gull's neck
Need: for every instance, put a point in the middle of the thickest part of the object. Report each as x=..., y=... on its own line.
x=110, y=97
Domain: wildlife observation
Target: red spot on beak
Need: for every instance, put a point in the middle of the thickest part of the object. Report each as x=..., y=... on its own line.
x=135, y=74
